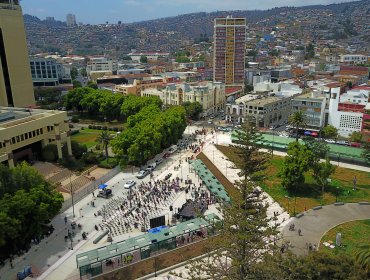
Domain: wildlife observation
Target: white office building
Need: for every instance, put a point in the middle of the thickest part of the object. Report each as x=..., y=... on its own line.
x=101, y=64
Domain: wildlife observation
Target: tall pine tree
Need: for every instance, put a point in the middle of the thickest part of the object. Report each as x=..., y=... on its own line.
x=246, y=233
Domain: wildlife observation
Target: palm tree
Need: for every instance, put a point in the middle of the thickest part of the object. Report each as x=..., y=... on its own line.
x=298, y=121
x=104, y=138
x=363, y=255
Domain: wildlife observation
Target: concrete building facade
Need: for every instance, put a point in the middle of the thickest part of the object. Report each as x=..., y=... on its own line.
x=210, y=95
x=24, y=132
x=101, y=64
x=71, y=20
x=48, y=72
x=15, y=75
x=313, y=106
x=229, y=50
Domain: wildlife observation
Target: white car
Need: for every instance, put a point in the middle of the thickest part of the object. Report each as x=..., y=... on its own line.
x=142, y=174
x=129, y=184
x=151, y=167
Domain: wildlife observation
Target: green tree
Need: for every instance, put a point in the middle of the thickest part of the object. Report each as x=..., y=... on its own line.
x=363, y=256
x=143, y=59
x=319, y=149
x=298, y=121
x=74, y=73
x=25, y=209
x=296, y=163
x=78, y=149
x=182, y=59
x=366, y=152
x=248, y=88
x=50, y=153
x=76, y=84
x=83, y=72
x=323, y=170
x=193, y=109
x=355, y=137
x=245, y=227
x=253, y=162
x=92, y=84
x=72, y=100
x=104, y=138
x=316, y=266
x=330, y=132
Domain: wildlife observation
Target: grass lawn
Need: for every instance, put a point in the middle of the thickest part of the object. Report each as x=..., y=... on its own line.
x=88, y=136
x=354, y=234
x=309, y=195
x=111, y=163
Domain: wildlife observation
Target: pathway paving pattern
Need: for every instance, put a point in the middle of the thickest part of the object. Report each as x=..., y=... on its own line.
x=315, y=223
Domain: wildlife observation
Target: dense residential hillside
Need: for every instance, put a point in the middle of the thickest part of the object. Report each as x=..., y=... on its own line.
x=168, y=34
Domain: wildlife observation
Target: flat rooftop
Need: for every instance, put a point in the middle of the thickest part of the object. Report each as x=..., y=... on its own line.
x=10, y=116
x=264, y=100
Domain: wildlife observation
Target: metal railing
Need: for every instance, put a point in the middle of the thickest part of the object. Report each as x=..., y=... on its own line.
x=88, y=189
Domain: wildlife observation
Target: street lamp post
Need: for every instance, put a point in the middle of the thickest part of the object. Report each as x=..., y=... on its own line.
x=288, y=202
x=295, y=198
x=273, y=141
x=71, y=190
x=336, y=195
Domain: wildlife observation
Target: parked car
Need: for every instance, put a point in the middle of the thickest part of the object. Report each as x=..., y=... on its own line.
x=168, y=176
x=210, y=122
x=159, y=161
x=151, y=167
x=142, y=174
x=172, y=149
x=129, y=184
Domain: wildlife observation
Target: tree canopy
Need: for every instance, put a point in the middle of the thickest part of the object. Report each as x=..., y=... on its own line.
x=298, y=121
x=296, y=163
x=193, y=109
x=330, y=131
x=149, y=131
x=27, y=202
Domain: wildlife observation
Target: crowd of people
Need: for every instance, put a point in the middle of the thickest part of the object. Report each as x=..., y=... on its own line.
x=134, y=210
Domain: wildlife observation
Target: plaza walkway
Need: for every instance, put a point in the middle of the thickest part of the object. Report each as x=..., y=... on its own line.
x=315, y=223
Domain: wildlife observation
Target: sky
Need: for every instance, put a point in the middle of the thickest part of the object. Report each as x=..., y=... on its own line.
x=100, y=11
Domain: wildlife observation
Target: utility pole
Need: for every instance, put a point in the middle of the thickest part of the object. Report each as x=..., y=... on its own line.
x=71, y=190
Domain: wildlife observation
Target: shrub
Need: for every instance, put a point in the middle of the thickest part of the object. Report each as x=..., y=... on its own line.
x=73, y=132
x=97, y=147
x=90, y=126
x=75, y=119
x=104, y=128
x=98, y=127
x=115, y=129
x=90, y=158
x=50, y=153
x=82, y=128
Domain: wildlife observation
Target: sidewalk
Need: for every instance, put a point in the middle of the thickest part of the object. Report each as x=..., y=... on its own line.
x=315, y=223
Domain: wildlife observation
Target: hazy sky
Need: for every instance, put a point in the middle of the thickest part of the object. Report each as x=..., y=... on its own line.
x=100, y=11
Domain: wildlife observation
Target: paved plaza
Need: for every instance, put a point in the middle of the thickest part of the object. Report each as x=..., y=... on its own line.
x=53, y=258
x=315, y=223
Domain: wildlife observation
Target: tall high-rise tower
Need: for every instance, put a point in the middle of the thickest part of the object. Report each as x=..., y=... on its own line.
x=229, y=50
x=71, y=20
x=15, y=75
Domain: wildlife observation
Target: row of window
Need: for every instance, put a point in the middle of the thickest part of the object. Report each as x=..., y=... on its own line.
x=24, y=136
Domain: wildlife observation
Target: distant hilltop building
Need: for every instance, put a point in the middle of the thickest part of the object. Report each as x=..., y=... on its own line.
x=151, y=56
x=229, y=50
x=15, y=75
x=71, y=20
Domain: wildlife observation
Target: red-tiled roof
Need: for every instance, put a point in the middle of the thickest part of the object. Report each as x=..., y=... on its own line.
x=232, y=90
x=333, y=85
